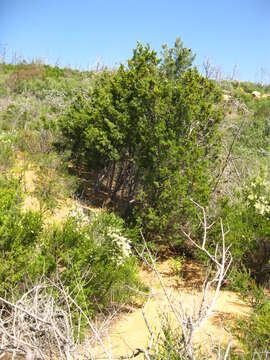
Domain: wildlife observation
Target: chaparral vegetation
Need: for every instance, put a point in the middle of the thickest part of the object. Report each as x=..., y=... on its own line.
x=105, y=173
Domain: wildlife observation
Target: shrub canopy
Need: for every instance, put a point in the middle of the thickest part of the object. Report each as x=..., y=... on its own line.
x=148, y=130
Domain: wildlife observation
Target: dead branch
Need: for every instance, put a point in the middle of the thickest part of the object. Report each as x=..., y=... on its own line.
x=45, y=323
x=190, y=322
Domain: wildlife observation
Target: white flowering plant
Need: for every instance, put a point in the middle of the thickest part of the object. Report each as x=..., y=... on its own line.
x=248, y=221
x=120, y=245
x=79, y=216
x=95, y=246
x=108, y=232
x=258, y=196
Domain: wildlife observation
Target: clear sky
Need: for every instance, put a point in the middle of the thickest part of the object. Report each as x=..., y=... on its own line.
x=77, y=33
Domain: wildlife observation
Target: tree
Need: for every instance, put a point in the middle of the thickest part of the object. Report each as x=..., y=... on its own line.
x=177, y=59
x=149, y=136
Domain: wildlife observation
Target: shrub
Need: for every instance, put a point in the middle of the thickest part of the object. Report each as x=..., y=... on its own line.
x=254, y=136
x=149, y=138
x=52, y=181
x=6, y=151
x=96, y=255
x=24, y=73
x=254, y=332
x=177, y=265
x=240, y=280
x=177, y=59
x=89, y=254
x=248, y=223
x=18, y=235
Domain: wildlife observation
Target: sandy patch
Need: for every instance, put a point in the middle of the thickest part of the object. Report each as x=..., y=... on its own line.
x=130, y=332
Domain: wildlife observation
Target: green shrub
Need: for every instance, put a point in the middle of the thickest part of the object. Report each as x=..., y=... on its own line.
x=177, y=265
x=254, y=332
x=150, y=138
x=92, y=254
x=96, y=254
x=255, y=133
x=23, y=74
x=240, y=280
x=52, y=182
x=54, y=71
x=247, y=218
x=18, y=236
x=6, y=151
x=169, y=345
x=176, y=60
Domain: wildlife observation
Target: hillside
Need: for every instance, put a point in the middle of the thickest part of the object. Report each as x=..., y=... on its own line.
x=109, y=181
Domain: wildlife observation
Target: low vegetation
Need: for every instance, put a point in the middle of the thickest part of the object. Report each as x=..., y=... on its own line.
x=105, y=270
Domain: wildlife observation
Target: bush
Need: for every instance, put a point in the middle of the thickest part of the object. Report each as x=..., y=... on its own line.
x=6, y=151
x=149, y=138
x=240, y=280
x=255, y=133
x=52, y=181
x=23, y=74
x=94, y=256
x=19, y=233
x=248, y=223
x=254, y=333
x=177, y=266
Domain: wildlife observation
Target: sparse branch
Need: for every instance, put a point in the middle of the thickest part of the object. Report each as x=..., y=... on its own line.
x=191, y=322
x=41, y=324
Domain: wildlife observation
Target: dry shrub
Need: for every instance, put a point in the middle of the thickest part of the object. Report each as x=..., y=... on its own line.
x=25, y=72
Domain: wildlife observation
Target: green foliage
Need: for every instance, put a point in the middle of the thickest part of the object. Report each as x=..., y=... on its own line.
x=52, y=182
x=247, y=218
x=170, y=344
x=254, y=137
x=93, y=255
x=240, y=280
x=27, y=129
x=149, y=134
x=176, y=60
x=6, y=151
x=254, y=332
x=149, y=138
x=54, y=72
x=23, y=74
x=171, y=347
x=96, y=254
x=177, y=264
x=18, y=235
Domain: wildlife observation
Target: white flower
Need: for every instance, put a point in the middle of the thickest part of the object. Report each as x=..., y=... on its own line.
x=78, y=214
x=122, y=243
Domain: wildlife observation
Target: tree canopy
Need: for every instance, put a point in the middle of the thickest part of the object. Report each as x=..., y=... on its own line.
x=149, y=131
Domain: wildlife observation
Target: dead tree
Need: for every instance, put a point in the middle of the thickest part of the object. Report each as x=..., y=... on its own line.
x=190, y=322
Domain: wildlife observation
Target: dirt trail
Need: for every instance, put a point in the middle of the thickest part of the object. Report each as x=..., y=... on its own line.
x=28, y=172
x=129, y=330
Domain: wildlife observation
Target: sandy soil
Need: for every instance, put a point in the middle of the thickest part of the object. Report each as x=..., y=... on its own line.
x=129, y=330
x=27, y=172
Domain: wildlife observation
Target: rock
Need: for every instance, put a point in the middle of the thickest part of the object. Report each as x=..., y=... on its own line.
x=256, y=94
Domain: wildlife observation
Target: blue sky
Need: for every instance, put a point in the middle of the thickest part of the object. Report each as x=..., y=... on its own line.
x=77, y=33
